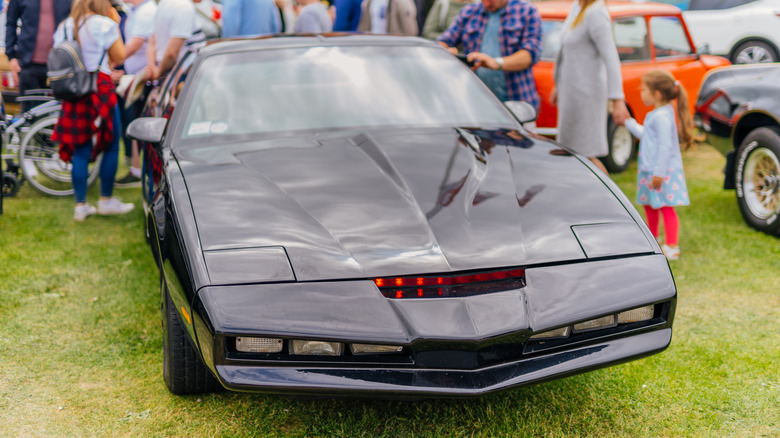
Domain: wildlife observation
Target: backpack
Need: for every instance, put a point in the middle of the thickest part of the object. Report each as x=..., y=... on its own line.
x=69, y=78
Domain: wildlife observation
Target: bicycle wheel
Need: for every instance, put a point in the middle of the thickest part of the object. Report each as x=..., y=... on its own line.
x=41, y=164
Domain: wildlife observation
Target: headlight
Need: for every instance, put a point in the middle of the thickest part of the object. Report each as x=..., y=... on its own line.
x=316, y=348
x=375, y=349
x=557, y=333
x=636, y=315
x=258, y=345
x=604, y=321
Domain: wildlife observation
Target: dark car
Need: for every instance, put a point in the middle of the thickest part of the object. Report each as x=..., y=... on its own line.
x=359, y=216
x=739, y=109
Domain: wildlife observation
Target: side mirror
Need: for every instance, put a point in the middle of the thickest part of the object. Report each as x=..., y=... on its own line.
x=147, y=129
x=704, y=49
x=523, y=111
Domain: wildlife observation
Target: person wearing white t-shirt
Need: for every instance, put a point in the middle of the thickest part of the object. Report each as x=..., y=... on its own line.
x=139, y=28
x=101, y=45
x=175, y=26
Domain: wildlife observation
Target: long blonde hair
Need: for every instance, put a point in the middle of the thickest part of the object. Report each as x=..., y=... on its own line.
x=670, y=89
x=82, y=9
x=581, y=15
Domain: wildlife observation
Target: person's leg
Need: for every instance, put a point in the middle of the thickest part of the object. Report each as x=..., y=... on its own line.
x=79, y=171
x=110, y=161
x=599, y=164
x=108, y=205
x=133, y=176
x=125, y=114
x=652, y=220
x=671, y=226
x=30, y=79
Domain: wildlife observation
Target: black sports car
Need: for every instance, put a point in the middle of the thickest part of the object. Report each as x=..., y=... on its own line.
x=739, y=109
x=359, y=216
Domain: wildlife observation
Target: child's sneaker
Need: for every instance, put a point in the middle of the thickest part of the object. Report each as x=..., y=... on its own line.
x=82, y=211
x=113, y=206
x=671, y=253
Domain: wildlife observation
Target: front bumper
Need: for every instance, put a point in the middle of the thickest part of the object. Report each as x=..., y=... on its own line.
x=415, y=383
x=454, y=347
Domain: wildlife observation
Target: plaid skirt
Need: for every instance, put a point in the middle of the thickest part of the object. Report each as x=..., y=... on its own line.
x=83, y=119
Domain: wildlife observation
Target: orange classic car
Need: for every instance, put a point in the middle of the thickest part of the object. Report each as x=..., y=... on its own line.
x=648, y=36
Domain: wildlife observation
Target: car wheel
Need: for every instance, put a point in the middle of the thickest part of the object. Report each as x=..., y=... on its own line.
x=183, y=370
x=754, y=52
x=622, y=148
x=758, y=179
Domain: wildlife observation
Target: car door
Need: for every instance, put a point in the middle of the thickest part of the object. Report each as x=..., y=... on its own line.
x=673, y=50
x=632, y=40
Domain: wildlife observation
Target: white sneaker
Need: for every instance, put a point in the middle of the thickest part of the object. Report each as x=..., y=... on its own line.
x=82, y=211
x=671, y=253
x=113, y=206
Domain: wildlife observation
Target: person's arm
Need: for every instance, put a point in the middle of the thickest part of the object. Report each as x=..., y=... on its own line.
x=600, y=31
x=133, y=46
x=635, y=128
x=526, y=55
x=116, y=53
x=11, y=26
x=170, y=56
x=151, y=59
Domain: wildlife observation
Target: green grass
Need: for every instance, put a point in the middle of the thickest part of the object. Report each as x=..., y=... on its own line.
x=80, y=344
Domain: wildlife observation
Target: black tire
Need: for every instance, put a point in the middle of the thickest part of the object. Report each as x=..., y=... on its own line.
x=754, y=52
x=183, y=370
x=622, y=148
x=10, y=185
x=757, y=180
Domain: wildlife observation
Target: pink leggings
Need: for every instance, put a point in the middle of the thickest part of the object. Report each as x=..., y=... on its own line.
x=671, y=223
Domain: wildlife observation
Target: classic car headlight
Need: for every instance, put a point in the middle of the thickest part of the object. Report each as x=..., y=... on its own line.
x=557, y=333
x=375, y=349
x=636, y=315
x=593, y=324
x=258, y=345
x=316, y=348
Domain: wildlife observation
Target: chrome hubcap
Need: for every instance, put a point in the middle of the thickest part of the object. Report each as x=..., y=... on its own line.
x=622, y=145
x=761, y=182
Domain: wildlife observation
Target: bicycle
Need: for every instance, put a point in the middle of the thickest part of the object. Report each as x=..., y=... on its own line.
x=28, y=140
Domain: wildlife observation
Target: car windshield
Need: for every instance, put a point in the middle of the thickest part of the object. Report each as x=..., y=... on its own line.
x=264, y=91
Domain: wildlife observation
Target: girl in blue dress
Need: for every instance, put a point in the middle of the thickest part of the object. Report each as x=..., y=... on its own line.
x=660, y=180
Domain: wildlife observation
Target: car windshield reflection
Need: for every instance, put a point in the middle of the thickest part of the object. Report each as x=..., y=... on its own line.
x=246, y=93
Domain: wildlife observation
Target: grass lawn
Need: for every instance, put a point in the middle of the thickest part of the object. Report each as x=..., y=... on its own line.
x=81, y=348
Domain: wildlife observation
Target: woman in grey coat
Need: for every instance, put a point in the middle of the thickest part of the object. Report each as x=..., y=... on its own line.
x=587, y=76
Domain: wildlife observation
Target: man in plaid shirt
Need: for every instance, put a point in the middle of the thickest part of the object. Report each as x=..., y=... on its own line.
x=503, y=39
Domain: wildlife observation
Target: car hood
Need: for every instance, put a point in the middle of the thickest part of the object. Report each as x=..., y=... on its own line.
x=366, y=203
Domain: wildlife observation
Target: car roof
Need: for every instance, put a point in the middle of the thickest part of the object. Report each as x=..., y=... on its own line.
x=225, y=45
x=551, y=10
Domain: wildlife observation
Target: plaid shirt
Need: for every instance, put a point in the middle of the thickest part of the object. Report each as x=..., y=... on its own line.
x=76, y=124
x=521, y=29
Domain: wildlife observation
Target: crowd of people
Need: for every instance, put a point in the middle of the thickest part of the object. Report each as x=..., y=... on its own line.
x=139, y=41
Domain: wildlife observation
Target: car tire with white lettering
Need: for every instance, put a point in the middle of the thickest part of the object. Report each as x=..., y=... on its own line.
x=757, y=179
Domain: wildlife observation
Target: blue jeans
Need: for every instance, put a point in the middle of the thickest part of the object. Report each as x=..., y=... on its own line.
x=80, y=165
